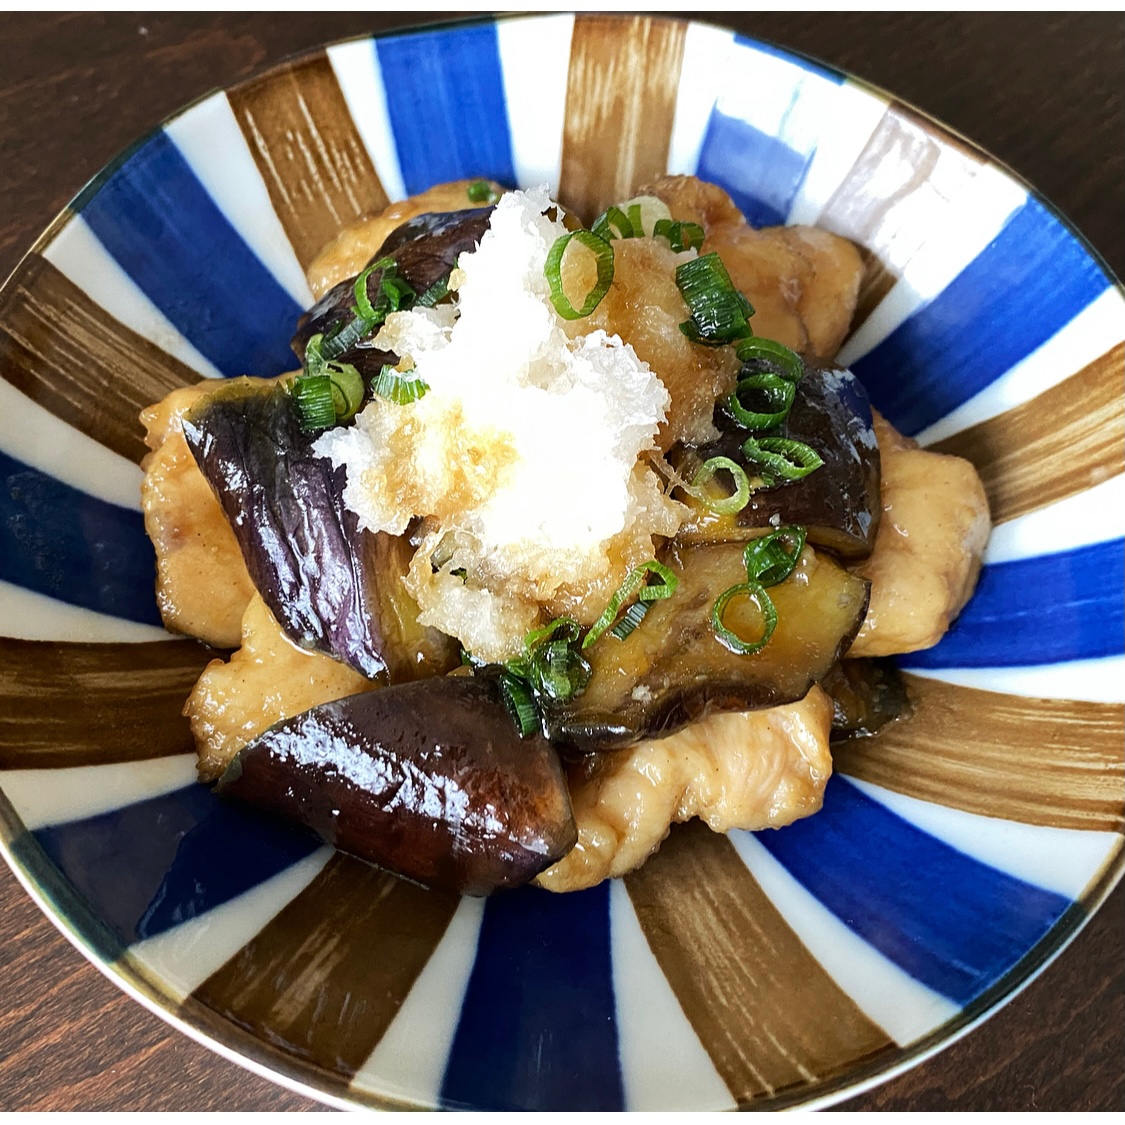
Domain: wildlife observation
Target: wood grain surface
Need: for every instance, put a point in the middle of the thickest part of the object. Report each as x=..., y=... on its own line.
x=1042, y=92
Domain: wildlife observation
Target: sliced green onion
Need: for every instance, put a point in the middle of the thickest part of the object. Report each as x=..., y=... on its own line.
x=636, y=582
x=757, y=594
x=397, y=292
x=553, y=271
x=347, y=390
x=777, y=393
x=481, y=191
x=363, y=304
x=518, y=699
x=630, y=619
x=313, y=397
x=345, y=386
x=775, y=357
x=560, y=671
x=728, y=505
x=772, y=558
x=338, y=342
x=612, y=223
x=635, y=221
x=681, y=236
x=664, y=589
x=436, y=292
x=570, y=628
x=782, y=458
x=719, y=312
x=398, y=386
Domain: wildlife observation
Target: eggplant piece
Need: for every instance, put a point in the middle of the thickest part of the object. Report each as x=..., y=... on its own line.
x=866, y=696
x=672, y=669
x=429, y=780
x=332, y=588
x=425, y=249
x=839, y=503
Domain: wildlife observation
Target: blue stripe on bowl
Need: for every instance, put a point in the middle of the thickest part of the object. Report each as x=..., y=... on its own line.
x=538, y=1028
x=157, y=220
x=1043, y=610
x=949, y=921
x=760, y=172
x=734, y=154
x=434, y=82
x=1029, y=282
x=60, y=541
x=149, y=866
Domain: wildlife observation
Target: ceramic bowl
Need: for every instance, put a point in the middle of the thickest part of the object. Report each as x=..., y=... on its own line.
x=953, y=857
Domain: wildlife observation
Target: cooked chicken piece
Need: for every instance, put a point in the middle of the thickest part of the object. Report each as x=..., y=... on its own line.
x=268, y=679
x=357, y=243
x=750, y=769
x=802, y=282
x=202, y=586
x=928, y=549
x=645, y=307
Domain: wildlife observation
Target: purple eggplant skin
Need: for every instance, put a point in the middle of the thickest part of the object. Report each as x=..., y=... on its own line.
x=425, y=249
x=429, y=780
x=866, y=696
x=840, y=502
x=332, y=587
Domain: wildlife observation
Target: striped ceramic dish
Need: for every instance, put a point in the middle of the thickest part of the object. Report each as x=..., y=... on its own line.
x=953, y=857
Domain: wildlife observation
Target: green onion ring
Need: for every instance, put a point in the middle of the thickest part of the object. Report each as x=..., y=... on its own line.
x=770, y=559
x=312, y=395
x=612, y=223
x=782, y=458
x=728, y=505
x=757, y=594
x=480, y=191
x=397, y=386
x=518, y=699
x=553, y=271
x=782, y=360
x=364, y=308
x=636, y=582
x=778, y=393
x=680, y=236
x=719, y=312
x=347, y=390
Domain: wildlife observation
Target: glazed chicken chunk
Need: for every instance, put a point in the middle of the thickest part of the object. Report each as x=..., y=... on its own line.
x=928, y=549
x=743, y=769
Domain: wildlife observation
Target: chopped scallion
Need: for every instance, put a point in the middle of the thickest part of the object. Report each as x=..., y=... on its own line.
x=719, y=312
x=767, y=613
x=772, y=558
x=772, y=356
x=398, y=386
x=681, y=236
x=313, y=397
x=636, y=582
x=481, y=191
x=518, y=699
x=775, y=396
x=782, y=458
x=613, y=223
x=602, y=250
x=726, y=505
x=630, y=619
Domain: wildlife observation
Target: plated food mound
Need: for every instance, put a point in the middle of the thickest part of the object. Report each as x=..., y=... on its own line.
x=559, y=535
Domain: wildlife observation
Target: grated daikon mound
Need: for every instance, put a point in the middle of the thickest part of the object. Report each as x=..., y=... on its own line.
x=524, y=457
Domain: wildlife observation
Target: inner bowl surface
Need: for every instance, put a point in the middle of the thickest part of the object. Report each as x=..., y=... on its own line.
x=953, y=857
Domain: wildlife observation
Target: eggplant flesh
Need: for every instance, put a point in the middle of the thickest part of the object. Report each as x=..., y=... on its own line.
x=673, y=669
x=839, y=503
x=425, y=250
x=332, y=587
x=429, y=780
x=866, y=696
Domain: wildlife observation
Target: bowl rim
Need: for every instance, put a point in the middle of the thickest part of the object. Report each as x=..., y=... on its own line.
x=270, y=1062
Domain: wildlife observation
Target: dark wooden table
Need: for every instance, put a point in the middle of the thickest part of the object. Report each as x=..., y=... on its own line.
x=1043, y=93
